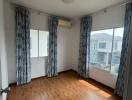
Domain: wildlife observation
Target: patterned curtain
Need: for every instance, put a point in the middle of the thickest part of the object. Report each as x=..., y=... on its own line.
x=23, y=45
x=123, y=63
x=52, y=57
x=84, y=51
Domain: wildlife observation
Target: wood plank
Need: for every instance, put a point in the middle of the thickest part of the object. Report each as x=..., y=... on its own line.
x=67, y=86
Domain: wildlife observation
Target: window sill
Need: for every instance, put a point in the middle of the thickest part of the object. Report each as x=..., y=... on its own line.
x=106, y=71
x=39, y=57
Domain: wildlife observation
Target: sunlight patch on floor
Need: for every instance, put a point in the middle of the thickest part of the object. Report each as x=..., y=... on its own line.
x=89, y=85
x=95, y=88
x=103, y=93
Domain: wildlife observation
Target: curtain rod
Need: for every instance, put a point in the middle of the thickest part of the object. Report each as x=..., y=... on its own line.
x=116, y=5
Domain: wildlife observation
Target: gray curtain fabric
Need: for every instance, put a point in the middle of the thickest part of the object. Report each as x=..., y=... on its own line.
x=84, y=51
x=22, y=45
x=124, y=54
x=51, y=69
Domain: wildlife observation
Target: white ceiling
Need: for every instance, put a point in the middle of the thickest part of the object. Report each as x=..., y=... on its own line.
x=76, y=9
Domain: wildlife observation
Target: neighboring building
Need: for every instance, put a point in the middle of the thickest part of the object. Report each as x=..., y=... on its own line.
x=101, y=48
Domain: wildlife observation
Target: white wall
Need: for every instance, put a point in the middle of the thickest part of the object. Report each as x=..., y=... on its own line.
x=75, y=46
x=10, y=40
x=3, y=55
x=38, y=67
x=63, y=47
x=67, y=44
x=103, y=76
x=113, y=18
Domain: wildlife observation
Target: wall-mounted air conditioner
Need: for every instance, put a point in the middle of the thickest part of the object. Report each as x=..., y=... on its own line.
x=65, y=23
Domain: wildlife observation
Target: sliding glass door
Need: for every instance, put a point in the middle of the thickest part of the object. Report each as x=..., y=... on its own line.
x=105, y=49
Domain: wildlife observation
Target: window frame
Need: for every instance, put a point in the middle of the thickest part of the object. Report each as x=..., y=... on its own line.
x=38, y=41
x=102, y=42
x=112, y=48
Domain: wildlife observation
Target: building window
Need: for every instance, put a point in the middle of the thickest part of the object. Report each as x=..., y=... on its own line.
x=107, y=55
x=38, y=43
x=102, y=45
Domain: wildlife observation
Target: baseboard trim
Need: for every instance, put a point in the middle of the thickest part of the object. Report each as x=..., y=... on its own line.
x=14, y=84
x=90, y=79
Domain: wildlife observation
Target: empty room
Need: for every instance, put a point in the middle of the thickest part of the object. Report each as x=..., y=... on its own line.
x=65, y=49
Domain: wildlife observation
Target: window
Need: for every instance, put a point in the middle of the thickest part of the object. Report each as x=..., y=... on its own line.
x=38, y=42
x=116, y=52
x=105, y=49
x=102, y=45
x=43, y=41
x=34, y=43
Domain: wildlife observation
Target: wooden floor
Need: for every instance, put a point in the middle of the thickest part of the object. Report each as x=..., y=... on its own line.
x=67, y=86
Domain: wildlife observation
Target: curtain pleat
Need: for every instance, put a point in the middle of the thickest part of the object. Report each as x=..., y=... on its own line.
x=23, y=63
x=51, y=69
x=84, y=51
x=124, y=54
